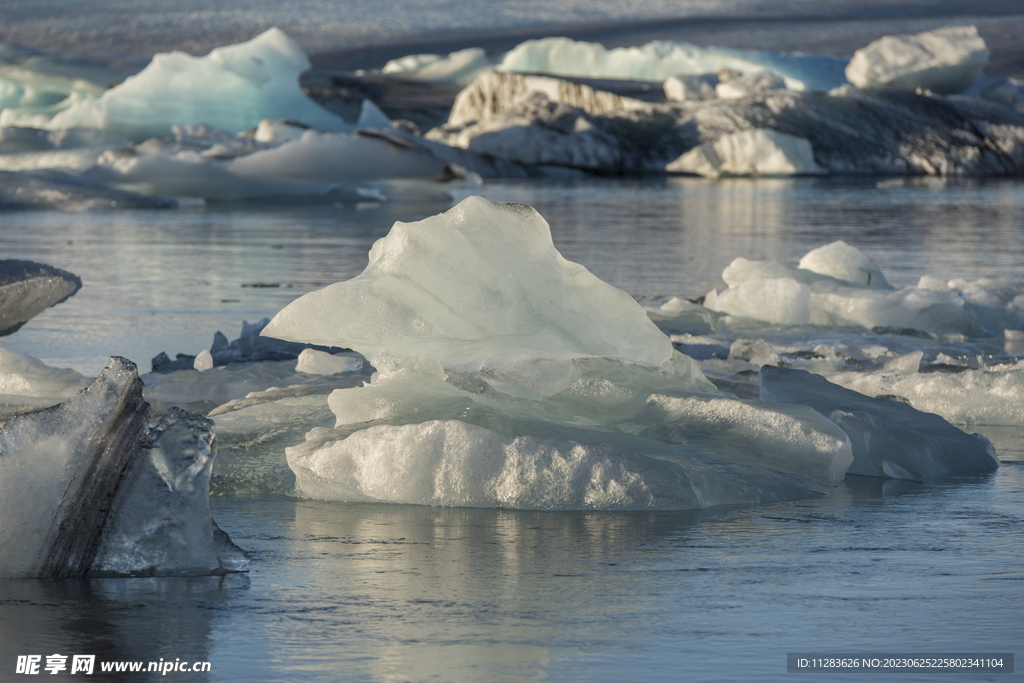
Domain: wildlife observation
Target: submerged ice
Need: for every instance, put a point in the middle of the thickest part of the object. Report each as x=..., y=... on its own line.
x=510, y=377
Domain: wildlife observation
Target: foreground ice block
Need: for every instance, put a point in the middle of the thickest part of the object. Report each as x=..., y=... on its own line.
x=946, y=61
x=231, y=88
x=86, y=489
x=890, y=439
x=28, y=288
x=510, y=377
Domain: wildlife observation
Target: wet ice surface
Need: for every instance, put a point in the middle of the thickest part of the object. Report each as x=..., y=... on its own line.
x=485, y=594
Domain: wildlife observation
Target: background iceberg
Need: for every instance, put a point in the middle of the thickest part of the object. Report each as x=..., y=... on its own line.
x=231, y=88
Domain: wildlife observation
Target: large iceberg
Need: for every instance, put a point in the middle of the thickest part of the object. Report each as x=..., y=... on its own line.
x=659, y=60
x=510, y=377
x=946, y=60
x=232, y=88
x=87, y=489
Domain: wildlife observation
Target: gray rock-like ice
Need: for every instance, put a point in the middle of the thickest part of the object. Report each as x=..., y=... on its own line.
x=28, y=288
x=510, y=377
x=87, y=489
x=946, y=60
x=890, y=438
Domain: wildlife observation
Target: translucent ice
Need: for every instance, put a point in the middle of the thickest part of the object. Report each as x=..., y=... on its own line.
x=27, y=382
x=86, y=489
x=231, y=88
x=508, y=376
x=658, y=60
x=457, y=67
x=946, y=60
x=890, y=438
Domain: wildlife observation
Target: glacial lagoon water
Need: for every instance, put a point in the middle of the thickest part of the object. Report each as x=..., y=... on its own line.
x=372, y=592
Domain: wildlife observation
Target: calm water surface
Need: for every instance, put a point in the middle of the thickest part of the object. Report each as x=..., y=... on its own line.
x=393, y=593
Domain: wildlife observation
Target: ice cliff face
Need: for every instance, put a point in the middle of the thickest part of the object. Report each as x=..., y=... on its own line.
x=87, y=489
x=509, y=377
x=845, y=131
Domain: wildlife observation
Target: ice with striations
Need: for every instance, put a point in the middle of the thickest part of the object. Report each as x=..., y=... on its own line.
x=510, y=377
x=946, y=60
x=89, y=490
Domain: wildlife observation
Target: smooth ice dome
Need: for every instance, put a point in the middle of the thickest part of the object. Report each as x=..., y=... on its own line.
x=510, y=377
x=231, y=88
x=946, y=61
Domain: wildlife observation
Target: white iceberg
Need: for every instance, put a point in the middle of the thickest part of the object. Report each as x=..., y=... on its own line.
x=945, y=60
x=459, y=67
x=659, y=60
x=773, y=293
x=510, y=377
x=753, y=152
x=232, y=88
x=690, y=88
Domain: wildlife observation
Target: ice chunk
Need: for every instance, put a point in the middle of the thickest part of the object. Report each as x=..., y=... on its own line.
x=78, y=476
x=684, y=87
x=459, y=67
x=28, y=288
x=749, y=84
x=843, y=262
x=945, y=60
x=659, y=60
x=232, y=88
x=769, y=291
x=314, y=362
x=890, y=439
x=757, y=151
x=508, y=376
x=160, y=522
x=27, y=382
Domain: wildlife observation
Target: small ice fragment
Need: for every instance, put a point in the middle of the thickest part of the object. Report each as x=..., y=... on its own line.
x=204, y=361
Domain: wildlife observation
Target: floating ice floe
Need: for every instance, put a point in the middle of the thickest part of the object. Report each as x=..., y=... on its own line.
x=847, y=288
x=750, y=152
x=659, y=60
x=945, y=60
x=510, y=377
x=460, y=67
x=28, y=288
x=89, y=490
x=890, y=439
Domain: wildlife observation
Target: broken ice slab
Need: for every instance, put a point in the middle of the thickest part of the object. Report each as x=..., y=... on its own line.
x=28, y=288
x=889, y=438
x=85, y=488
